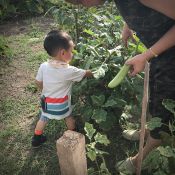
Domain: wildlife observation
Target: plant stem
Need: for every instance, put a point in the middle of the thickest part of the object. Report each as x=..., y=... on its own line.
x=76, y=16
x=98, y=167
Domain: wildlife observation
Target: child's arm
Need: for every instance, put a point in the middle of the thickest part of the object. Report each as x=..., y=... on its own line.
x=88, y=74
x=39, y=84
x=138, y=62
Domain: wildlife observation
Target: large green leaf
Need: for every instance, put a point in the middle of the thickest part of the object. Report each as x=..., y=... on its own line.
x=169, y=104
x=102, y=139
x=166, y=151
x=87, y=113
x=110, y=103
x=155, y=122
x=152, y=160
x=115, y=103
x=99, y=115
x=111, y=120
x=89, y=130
x=98, y=100
x=167, y=139
x=160, y=172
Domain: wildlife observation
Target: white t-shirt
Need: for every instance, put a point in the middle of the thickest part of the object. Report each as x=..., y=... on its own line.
x=57, y=85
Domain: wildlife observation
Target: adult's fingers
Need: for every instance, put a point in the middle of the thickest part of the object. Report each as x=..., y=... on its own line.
x=133, y=73
x=125, y=40
x=127, y=37
x=133, y=70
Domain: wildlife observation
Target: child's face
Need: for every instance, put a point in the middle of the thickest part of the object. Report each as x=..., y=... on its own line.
x=66, y=55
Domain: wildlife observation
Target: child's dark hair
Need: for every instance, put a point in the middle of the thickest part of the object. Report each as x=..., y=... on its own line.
x=56, y=40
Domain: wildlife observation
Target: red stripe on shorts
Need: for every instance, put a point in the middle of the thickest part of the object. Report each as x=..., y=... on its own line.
x=56, y=100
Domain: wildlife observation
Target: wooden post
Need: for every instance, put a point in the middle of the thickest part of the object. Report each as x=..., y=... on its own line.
x=143, y=118
x=71, y=153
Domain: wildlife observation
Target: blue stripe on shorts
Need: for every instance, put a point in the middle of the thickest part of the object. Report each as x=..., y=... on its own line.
x=44, y=118
x=56, y=107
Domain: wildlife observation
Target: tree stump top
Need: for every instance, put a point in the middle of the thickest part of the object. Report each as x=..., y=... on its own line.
x=70, y=139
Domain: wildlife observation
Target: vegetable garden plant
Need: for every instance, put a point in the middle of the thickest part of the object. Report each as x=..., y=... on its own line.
x=100, y=110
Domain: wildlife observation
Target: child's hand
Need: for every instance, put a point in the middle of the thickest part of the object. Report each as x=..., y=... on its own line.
x=88, y=73
x=137, y=64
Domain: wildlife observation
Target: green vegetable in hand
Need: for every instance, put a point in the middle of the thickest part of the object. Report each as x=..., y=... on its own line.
x=119, y=77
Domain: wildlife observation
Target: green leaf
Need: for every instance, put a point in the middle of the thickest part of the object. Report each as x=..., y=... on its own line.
x=110, y=102
x=101, y=139
x=90, y=32
x=115, y=50
x=91, y=171
x=99, y=18
x=89, y=130
x=87, y=112
x=141, y=48
x=152, y=160
x=159, y=172
x=111, y=120
x=115, y=103
x=98, y=100
x=166, y=151
x=99, y=115
x=104, y=169
x=100, y=152
x=91, y=154
x=167, y=139
x=99, y=73
x=88, y=63
x=155, y=122
x=120, y=102
x=93, y=51
x=169, y=104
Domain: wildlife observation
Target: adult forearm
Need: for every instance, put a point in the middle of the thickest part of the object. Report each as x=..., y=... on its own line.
x=166, y=41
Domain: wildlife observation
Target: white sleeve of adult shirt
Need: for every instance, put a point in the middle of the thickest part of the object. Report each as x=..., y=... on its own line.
x=75, y=74
x=39, y=76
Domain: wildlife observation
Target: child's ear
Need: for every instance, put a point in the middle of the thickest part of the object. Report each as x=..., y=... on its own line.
x=62, y=51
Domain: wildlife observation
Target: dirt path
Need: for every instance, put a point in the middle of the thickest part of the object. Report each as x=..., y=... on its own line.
x=14, y=77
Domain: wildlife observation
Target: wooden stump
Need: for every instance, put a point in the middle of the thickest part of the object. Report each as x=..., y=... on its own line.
x=71, y=153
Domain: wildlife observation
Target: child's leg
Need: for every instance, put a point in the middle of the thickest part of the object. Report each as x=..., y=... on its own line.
x=70, y=123
x=40, y=127
x=38, y=138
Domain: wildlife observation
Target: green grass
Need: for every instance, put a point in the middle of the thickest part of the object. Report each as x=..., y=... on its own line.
x=5, y=51
x=19, y=112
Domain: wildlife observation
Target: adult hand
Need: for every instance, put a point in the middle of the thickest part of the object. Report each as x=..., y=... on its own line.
x=127, y=34
x=137, y=63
